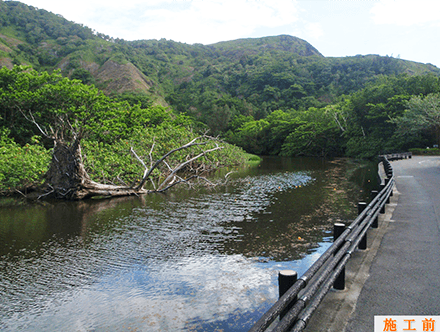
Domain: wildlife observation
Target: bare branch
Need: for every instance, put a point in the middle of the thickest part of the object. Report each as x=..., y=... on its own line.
x=72, y=130
x=183, y=147
x=175, y=183
x=182, y=165
x=21, y=193
x=141, y=161
x=226, y=176
x=151, y=153
x=122, y=181
x=187, y=181
x=47, y=194
x=32, y=119
x=152, y=182
x=167, y=165
x=335, y=116
x=206, y=180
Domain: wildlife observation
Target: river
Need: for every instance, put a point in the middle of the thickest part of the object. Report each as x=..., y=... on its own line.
x=204, y=260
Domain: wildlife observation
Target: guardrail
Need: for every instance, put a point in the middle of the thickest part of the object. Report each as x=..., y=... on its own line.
x=299, y=298
x=397, y=156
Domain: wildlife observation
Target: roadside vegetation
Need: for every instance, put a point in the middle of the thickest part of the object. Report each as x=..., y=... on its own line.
x=426, y=152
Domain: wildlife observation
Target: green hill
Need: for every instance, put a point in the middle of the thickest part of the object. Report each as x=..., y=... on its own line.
x=259, y=71
x=225, y=85
x=251, y=46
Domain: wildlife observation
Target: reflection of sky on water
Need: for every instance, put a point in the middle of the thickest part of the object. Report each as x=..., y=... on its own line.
x=168, y=297
x=192, y=293
x=157, y=267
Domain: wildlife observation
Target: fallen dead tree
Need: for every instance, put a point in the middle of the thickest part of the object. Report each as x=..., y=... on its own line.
x=67, y=177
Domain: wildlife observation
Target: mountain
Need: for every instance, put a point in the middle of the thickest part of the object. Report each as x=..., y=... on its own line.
x=214, y=83
x=252, y=46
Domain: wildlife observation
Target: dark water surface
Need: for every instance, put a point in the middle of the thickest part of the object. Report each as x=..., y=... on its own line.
x=183, y=261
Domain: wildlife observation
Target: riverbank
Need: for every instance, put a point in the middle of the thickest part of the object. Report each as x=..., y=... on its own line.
x=398, y=273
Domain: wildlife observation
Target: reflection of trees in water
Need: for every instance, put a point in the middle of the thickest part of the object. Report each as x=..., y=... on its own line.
x=30, y=226
x=299, y=220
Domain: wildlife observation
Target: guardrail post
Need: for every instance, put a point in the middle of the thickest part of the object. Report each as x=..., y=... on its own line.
x=286, y=279
x=375, y=223
x=363, y=243
x=388, y=170
x=339, y=283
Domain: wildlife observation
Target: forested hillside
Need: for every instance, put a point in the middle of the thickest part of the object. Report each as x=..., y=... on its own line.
x=272, y=95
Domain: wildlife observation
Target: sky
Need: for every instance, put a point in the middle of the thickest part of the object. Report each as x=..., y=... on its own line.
x=406, y=29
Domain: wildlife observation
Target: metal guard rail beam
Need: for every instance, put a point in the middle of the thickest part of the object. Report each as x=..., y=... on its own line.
x=315, y=283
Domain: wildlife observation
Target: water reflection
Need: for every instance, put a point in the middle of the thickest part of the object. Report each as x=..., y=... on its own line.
x=185, y=260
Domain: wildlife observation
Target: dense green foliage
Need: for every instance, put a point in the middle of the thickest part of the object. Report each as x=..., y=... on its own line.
x=372, y=110
x=35, y=103
x=39, y=25
x=24, y=27
x=422, y=115
x=21, y=166
x=362, y=124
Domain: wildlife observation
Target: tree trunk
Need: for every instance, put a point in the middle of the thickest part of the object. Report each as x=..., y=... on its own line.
x=68, y=178
x=66, y=172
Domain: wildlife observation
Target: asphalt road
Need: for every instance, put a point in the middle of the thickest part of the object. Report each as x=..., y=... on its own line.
x=399, y=273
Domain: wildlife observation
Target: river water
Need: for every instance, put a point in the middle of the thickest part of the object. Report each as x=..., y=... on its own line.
x=204, y=260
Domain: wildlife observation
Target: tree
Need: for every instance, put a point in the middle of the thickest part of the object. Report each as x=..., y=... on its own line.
x=369, y=129
x=83, y=75
x=422, y=115
x=317, y=133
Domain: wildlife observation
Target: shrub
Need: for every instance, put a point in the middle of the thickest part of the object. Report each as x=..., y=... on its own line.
x=21, y=166
x=427, y=151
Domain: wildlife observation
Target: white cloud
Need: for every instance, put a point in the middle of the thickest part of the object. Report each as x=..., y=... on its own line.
x=406, y=12
x=314, y=30
x=211, y=21
x=195, y=21
x=195, y=289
